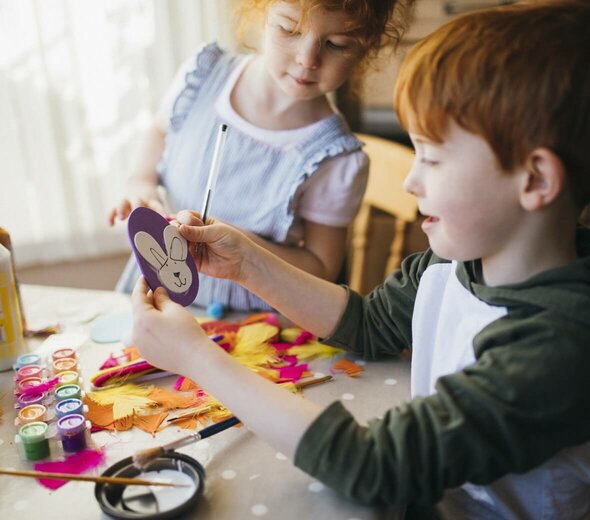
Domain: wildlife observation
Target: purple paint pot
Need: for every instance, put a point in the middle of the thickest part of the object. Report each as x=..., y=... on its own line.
x=69, y=407
x=72, y=431
x=28, y=399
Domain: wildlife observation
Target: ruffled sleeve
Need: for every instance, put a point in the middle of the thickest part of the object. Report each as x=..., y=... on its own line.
x=203, y=64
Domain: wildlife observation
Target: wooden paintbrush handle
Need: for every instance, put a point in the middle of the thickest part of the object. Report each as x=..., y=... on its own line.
x=85, y=478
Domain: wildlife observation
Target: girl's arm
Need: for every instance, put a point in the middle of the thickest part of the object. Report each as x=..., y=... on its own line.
x=143, y=183
x=321, y=253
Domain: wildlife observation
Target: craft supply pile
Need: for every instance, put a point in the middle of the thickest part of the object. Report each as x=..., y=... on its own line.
x=55, y=416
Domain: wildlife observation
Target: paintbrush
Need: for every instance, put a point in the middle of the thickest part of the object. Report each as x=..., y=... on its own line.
x=143, y=457
x=87, y=478
x=312, y=382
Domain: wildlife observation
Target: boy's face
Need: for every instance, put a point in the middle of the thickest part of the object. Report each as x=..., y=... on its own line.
x=472, y=207
x=308, y=61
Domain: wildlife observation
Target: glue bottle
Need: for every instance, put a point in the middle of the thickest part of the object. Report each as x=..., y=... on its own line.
x=12, y=343
x=6, y=242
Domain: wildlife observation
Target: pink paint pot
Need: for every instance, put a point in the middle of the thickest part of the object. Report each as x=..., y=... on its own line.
x=29, y=371
x=28, y=383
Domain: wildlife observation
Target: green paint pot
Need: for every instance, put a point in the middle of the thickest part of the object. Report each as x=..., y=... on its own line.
x=34, y=441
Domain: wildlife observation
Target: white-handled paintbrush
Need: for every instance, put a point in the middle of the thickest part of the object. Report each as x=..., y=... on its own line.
x=143, y=457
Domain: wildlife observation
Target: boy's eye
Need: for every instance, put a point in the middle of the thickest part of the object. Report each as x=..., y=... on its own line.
x=428, y=162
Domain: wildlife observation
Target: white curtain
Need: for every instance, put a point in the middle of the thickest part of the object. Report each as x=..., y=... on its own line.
x=79, y=81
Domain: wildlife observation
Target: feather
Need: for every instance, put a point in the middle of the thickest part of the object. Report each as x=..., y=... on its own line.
x=125, y=399
x=74, y=465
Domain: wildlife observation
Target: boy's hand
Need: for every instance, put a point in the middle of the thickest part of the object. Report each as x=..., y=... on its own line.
x=164, y=332
x=220, y=250
x=122, y=211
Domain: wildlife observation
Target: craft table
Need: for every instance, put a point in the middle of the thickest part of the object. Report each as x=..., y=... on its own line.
x=245, y=478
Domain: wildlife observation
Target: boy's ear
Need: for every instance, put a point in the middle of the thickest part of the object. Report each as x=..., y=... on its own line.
x=544, y=180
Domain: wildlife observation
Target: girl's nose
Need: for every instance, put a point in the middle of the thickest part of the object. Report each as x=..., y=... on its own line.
x=308, y=52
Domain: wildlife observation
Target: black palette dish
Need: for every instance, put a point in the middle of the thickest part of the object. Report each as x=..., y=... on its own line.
x=147, y=502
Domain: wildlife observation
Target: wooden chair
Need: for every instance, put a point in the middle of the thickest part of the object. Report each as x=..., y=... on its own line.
x=389, y=164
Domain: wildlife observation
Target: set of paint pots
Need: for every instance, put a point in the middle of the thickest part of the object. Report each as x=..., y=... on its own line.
x=58, y=414
x=153, y=502
x=67, y=433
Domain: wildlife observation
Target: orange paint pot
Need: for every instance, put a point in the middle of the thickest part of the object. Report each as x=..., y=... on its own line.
x=31, y=413
x=62, y=353
x=64, y=365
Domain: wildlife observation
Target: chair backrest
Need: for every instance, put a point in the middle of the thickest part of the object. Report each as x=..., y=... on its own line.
x=389, y=164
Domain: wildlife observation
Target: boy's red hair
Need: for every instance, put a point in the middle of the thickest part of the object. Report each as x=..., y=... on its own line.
x=518, y=76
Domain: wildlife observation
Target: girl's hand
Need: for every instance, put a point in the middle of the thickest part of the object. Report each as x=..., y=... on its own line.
x=122, y=211
x=165, y=333
x=220, y=250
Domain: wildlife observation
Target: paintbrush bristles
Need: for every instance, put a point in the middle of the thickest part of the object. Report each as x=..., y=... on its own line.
x=144, y=457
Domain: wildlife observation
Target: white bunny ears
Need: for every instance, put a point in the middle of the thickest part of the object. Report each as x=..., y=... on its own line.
x=162, y=254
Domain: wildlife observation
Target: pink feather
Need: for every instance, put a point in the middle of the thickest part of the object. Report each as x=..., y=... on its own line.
x=74, y=465
x=43, y=387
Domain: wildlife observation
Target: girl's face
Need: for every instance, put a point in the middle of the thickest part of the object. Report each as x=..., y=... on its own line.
x=309, y=61
x=472, y=207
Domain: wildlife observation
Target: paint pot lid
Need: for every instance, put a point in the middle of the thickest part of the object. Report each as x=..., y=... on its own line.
x=68, y=377
x=152, y=502
x=33, y=432
x=66, y=352
x=71, y=424
x=27, y=399
x=63, y=364
x=29, y=382
x=32, y=412
x=68, y=391
x=27, y=359
x=68, y=406
x=26, y=371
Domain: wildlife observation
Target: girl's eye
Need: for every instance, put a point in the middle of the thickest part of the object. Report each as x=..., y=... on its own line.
x=290, y=31
x=335, y=46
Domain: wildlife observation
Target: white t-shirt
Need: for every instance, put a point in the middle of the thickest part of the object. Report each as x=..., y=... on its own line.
x=330, y=197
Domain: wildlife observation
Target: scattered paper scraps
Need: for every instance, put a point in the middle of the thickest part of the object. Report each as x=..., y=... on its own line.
x=348, y=367
x=257, y=342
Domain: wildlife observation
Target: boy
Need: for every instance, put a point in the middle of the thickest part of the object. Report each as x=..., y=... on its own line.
x=497, y=312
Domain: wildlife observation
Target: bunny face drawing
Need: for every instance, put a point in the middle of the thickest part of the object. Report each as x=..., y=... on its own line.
x=173, y=271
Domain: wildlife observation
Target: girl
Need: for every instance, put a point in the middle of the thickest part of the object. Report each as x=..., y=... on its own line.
x=293, y=175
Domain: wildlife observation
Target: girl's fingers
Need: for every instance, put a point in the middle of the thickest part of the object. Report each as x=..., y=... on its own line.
x=189, y=218
x=139, y=296
x=161, y=299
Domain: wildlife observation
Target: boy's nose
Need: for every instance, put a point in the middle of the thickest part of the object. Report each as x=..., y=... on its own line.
x=308, y=53
x=411, y=184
